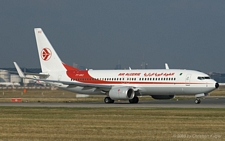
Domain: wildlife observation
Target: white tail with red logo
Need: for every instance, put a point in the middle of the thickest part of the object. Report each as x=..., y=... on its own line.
x=48, y=57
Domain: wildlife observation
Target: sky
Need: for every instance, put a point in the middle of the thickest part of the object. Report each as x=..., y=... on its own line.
x=97, y=34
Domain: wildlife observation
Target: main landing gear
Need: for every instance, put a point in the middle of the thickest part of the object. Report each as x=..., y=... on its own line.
x=197, y=101
x=133, y=100
x=108, y=100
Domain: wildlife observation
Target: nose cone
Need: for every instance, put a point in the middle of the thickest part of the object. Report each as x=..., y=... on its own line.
x=217, y=85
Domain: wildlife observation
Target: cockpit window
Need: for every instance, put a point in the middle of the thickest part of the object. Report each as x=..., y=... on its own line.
x=202, y=78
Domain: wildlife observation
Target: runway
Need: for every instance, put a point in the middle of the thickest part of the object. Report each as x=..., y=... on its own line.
x=209, y=102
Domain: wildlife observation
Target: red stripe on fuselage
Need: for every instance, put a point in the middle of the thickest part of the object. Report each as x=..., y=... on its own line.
x=83, y=76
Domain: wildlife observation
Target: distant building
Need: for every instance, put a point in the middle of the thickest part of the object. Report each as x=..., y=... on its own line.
x=10, y=75
x=144, y=65
x=75, y=65
x=118, y=66
x=4, y=76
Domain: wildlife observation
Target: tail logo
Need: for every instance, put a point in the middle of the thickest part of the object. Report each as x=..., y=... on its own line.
x=46, y=54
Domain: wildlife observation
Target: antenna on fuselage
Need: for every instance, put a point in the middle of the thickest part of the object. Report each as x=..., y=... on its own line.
x=166, y=66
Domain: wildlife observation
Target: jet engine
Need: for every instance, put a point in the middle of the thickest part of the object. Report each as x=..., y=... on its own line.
x=162, y=96
x=121, y=93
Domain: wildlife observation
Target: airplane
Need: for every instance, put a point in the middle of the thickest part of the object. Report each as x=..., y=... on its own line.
x=120, y=84
x=38, y=81
x=9, y=84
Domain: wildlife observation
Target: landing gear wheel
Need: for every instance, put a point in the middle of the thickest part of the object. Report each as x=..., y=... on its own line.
x=197, y=101
x=108, y=100
x=134, y=100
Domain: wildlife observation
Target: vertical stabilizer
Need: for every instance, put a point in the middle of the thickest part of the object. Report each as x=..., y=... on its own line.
x=49, y=59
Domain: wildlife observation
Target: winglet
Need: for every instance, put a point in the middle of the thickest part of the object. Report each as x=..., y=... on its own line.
x=21, y=74
x=166, y=66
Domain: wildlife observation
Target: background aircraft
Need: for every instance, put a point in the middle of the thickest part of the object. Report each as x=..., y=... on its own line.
x=9, y=84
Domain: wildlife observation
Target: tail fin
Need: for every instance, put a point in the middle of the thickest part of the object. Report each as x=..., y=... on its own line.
x=49, y=59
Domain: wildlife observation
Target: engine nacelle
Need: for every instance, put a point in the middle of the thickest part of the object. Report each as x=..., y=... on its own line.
x=121, y=93
x=162, y=96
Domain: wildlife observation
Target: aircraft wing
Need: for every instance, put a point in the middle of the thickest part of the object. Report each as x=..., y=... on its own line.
x=74, y=84
x=105, y=88
x=19, y=70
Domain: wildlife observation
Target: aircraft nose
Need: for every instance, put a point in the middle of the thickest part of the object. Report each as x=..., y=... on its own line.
x=217, y=85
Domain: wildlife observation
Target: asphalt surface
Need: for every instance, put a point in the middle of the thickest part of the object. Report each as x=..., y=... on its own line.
x=209, y=102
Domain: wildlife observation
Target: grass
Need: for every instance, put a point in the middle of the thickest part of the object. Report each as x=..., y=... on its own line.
x=25, y=123
x=18, y=123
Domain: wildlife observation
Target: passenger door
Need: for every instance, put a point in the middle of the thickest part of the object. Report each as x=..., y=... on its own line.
x=188, y=79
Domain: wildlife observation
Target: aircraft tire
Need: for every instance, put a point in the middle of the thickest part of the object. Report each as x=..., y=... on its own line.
x=108, y=100
x=197, y=101
x=134, y=100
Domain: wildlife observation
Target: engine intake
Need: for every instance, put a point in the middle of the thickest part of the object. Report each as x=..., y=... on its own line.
x=121, y=93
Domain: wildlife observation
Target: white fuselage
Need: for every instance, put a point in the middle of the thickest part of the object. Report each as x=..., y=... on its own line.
x=147, y=82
